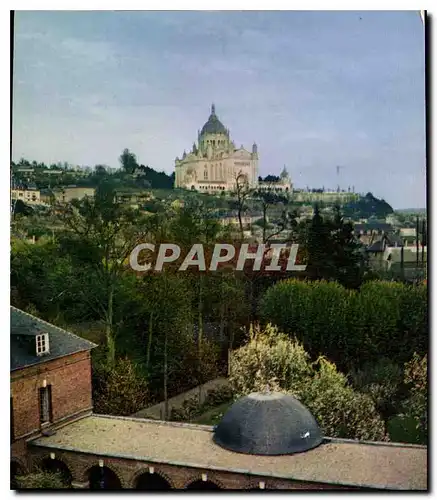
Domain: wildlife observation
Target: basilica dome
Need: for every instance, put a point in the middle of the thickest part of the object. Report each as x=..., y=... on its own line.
x=269, y=423
x=213, y=125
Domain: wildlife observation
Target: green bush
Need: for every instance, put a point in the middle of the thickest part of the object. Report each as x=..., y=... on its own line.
x=119, y=390
x=271, y=359
x=340, y=411
x=41, y=480
x=191, y=408
x=416, y=378
x=383, y=382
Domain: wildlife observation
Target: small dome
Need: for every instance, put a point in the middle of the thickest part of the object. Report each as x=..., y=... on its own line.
x=268, y=424
x=213, y=125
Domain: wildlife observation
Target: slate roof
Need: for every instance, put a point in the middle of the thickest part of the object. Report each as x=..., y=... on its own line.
x=268, y=423
x=373, y=226
x=213, y=125
x=392, y=240
x=24, y=327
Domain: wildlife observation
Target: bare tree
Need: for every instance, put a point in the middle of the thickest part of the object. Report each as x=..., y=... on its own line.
x=242, y=192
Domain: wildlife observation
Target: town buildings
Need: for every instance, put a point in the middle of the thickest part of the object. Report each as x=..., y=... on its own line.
x=260, y=444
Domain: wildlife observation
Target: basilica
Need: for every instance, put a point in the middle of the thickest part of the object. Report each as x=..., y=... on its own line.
x=214, y=164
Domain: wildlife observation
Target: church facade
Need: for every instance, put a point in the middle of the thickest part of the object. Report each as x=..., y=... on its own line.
x=214, y=163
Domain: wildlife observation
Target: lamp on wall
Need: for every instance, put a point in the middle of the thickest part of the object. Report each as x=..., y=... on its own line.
x=151, y=470
x=100, y=463
x=204, y=477
x=262, y=485
x=52, y=456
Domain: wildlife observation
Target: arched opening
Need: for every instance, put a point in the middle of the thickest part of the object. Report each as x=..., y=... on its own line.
x=152, y=482
x=57, y=466
x=202, y=485
x=16, y=470
x=103, y=478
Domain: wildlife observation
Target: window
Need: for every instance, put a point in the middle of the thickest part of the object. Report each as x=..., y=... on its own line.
x=205, y=174
x=42, y=344
x=45, y=404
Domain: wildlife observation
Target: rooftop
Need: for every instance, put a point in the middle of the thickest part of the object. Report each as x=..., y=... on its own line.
x=339, y=462
x=62, y=343
x=269, y=423
x=213, y=125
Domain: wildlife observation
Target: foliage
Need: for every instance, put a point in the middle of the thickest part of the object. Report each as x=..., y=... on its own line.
x=382, y=381
x=100, y=235
x=128, y=161
x=332, y=251
x=192, y=408
x=271, y=359
x=341, y=411
x=366, y=207
x=119, y=389
x=20, y=208
x=351, y=327
x=316, y=312
x=416, y=377
x=41, y=480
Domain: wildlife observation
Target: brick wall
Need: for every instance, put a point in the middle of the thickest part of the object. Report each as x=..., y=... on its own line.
x=70, y=378
x=178, y=477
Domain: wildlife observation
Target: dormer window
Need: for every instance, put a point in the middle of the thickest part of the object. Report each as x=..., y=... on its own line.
x=42, y=344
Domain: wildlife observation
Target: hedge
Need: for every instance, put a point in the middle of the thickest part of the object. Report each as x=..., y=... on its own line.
x=351, y=327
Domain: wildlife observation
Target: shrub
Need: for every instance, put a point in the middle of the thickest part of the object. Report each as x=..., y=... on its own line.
x=271, y=359
x=416, y=377
x=41, y=480
x=216, y=397
x=189, y=410
x=119, y=390
x=340, y=411
x=382, y=381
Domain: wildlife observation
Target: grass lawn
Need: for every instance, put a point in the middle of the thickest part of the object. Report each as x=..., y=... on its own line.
x=213, y=417
x=403, y=430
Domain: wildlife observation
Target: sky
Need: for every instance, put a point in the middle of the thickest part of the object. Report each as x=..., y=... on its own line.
x=314, y=90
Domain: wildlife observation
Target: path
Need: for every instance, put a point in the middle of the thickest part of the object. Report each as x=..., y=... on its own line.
x=157, y=411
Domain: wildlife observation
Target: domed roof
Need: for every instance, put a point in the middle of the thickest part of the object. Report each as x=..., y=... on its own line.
x=268, y=424
x=213, y=125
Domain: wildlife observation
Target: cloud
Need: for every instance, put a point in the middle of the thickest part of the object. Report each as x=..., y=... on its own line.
x=314, y=90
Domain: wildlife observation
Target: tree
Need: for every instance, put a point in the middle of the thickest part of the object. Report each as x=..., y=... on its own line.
x=347, y=255
x=100, y=234
x=20, y=208
x=319, y=247
x=332, y=251
x=128, y=161
x=267, y=199
x=119, y=389
x=242, y=192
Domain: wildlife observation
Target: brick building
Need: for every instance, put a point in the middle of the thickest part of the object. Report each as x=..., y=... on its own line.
x=50, y=381
x=267, y=441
